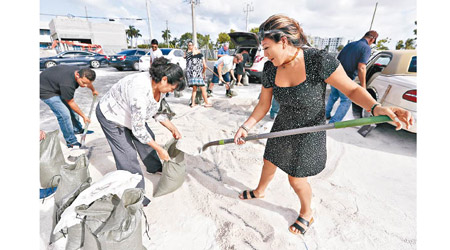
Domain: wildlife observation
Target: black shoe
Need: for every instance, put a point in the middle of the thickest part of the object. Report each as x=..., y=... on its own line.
x=76, y=144
x=145, y=201
x=82, y=131
x=328, y=117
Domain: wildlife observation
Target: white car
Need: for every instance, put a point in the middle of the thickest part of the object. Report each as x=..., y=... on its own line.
x=250, y=42
x=174, y=55
x=392, y=81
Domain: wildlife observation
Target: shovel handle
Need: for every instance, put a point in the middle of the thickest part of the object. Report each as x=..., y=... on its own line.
x=362, y=121
x=344, y=124
x=83, y=137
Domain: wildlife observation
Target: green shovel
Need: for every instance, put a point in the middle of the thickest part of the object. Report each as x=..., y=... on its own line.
x=343, y=124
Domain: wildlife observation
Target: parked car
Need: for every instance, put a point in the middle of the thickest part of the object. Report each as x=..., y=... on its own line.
x=250, y=42
x=127, y=59
x=392, y=81
x=174, y=55
x=94, y=60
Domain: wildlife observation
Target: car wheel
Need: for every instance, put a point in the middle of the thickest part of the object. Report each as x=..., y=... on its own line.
x=50, y=64
x=136, y=66
x=95, y=64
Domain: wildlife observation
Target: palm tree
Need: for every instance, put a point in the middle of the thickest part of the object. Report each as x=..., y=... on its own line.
x=166, y=35
x=132, y=33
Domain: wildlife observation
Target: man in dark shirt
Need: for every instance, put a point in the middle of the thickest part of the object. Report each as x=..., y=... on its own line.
x=353, y=58
x=57, y=89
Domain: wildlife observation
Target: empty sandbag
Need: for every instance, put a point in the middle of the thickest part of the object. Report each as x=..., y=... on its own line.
x=174, y=170
x=51, y=159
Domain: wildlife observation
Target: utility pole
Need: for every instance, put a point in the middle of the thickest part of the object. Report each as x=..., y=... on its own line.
x=89, y=25
x=167, y=33
x=373, y=17
x=248, y=9
x=149, y=21
x=194, y=32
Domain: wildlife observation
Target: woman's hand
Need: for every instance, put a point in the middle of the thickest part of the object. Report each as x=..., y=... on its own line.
x=396, y=114
x=163, y=154
x=241, y=133
x=176, y=134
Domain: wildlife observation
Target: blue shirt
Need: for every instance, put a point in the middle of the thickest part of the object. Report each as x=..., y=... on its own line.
x=223, y=52
x=352, y=54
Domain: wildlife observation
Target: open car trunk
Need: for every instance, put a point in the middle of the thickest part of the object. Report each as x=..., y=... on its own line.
x=246, y=41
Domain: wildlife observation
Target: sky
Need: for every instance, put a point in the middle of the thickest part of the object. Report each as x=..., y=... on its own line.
x=324, y=18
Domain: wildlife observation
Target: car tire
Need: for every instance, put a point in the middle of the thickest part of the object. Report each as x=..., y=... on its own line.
x=95, y=64
x=50, y=64
x=136, y=66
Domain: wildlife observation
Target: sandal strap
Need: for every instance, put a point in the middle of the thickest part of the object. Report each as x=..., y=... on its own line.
x=245, y=195
x=252, y=194
x=300, y=228
x=303, y=221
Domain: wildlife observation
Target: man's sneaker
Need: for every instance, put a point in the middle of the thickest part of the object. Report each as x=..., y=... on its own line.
x=228, y=93
x=82, y=131
x=76, y=144
x=46, y=192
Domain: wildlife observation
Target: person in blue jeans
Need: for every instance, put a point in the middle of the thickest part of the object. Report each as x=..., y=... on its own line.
x=274, y=108
x=57, y=90
x=353, y=58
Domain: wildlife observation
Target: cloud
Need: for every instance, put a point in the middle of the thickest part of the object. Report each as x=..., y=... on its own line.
x=325, y=18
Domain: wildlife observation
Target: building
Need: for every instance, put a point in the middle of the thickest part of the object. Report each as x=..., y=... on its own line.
x=44, y=36
x=111, y=36
x=331, y=44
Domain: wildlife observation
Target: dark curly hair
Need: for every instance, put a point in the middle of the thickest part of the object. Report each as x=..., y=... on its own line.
x=162, y=67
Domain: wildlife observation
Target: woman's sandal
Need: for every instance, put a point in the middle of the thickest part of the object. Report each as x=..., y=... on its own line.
x=300, y=228
x=252, y=195
x=207, y=105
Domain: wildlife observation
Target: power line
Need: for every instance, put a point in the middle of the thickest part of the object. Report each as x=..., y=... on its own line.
x=249, y=8
x=98, y=17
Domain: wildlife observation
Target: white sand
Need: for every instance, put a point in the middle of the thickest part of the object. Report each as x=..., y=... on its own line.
x=364, y=199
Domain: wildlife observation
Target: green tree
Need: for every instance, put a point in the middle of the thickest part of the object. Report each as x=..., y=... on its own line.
x=410, y=43
x=166, y=35
x=400, y=45
x=223, y=38
x=131, y=33
x=381, y=44
x=174, y=43
x=254, y=30
x=340, y=47
x=184, y=39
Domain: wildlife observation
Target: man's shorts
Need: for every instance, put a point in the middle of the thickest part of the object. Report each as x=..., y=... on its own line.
x=215, y=79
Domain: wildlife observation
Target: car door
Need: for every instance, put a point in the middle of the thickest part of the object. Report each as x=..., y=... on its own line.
x=82, y=58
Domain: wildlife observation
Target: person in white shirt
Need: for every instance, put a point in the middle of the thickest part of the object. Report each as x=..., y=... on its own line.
x=223, y=68
x=155, y=52
x=123, y=111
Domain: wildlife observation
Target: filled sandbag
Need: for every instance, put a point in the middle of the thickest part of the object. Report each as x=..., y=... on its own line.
x=112, y=223
x=51, y=159
x=173, y=172
x=74, y=179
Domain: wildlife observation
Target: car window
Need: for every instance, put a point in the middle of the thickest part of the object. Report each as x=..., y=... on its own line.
x=178, y=53
x=140, y=52
x=127, y=52
x=78, y=54
x=413, y=64
x=383, y=60
x=68, y=54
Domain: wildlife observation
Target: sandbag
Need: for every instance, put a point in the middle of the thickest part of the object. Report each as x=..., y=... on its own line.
x=74, y=180
x=112, y=223
x=51, y=159
x=173, y=172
